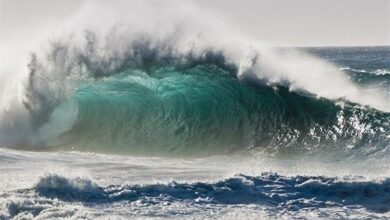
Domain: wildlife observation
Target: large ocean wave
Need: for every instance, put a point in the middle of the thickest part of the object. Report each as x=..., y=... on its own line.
x=152, y=99
x=185, y=87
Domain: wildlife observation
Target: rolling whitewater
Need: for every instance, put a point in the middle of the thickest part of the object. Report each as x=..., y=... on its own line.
x=124, y=122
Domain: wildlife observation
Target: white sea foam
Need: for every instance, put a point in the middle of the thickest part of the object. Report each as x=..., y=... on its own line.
x=139, y=187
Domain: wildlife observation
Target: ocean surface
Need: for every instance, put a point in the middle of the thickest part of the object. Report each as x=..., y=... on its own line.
x=144, y=131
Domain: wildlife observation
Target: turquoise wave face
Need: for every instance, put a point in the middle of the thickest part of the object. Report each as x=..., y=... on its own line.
x=204, y=109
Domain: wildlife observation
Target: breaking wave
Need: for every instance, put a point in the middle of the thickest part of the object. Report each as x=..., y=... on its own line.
x=186, y=89
x=170, y=103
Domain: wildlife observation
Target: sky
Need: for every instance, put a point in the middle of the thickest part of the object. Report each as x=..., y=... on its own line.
x=278, y=22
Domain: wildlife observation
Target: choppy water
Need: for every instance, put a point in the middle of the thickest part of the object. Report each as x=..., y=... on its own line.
x=85, y=185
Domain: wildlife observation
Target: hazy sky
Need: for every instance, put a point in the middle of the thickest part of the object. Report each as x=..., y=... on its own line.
x=281, y=22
